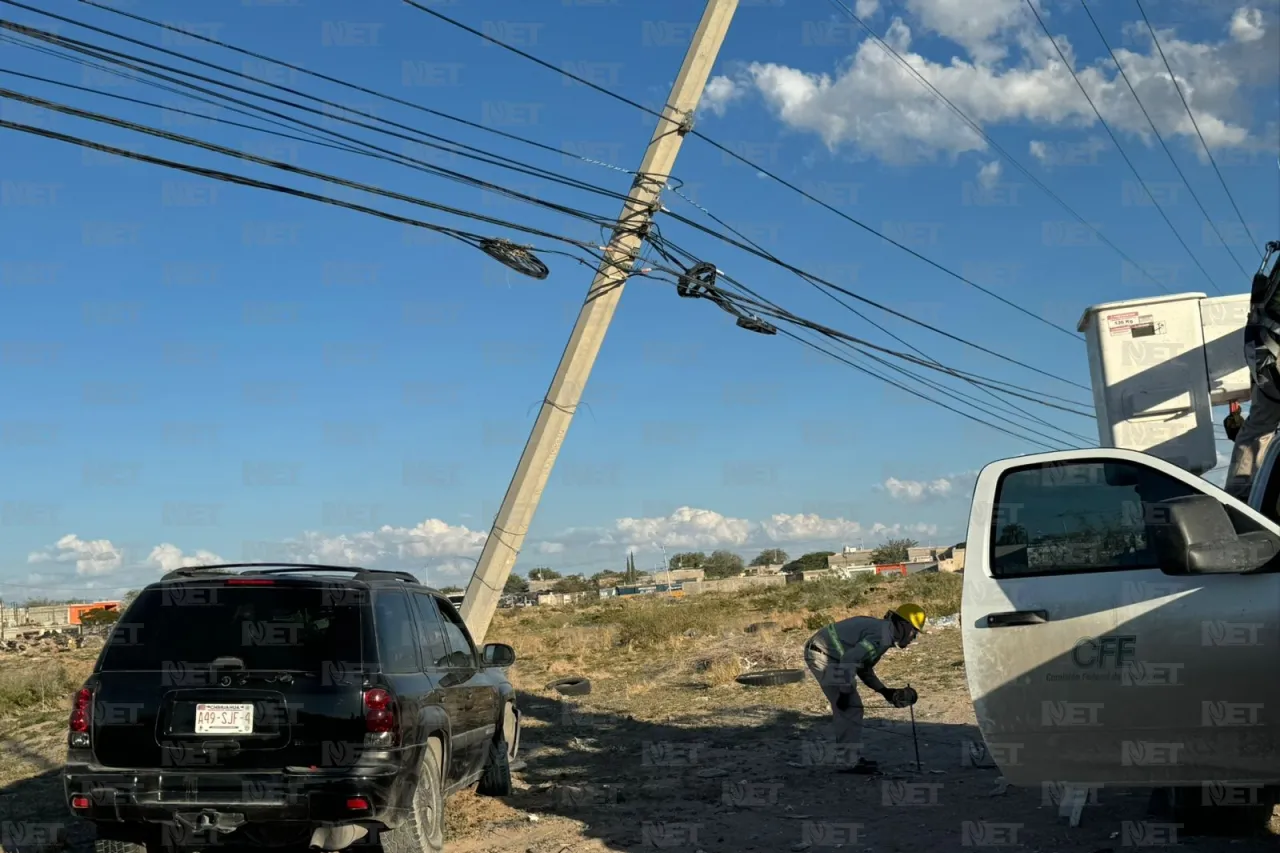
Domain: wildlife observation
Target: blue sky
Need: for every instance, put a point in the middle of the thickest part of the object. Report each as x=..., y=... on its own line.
x=196, y=369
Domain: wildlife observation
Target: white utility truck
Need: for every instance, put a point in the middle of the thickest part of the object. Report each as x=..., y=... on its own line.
x=1121, y=614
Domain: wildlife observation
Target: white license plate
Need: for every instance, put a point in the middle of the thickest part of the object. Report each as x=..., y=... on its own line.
x=224, y=719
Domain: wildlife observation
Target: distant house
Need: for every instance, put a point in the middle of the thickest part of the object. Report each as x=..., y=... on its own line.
x=850, y=559
x=536, y=587
x=761, y=571
x=952, y=561
x=923, y=554
x=675, y=576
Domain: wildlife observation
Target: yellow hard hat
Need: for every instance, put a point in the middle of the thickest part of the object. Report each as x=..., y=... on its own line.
x=913, y=614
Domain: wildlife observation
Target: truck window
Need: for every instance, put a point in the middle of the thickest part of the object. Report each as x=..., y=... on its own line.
x=461, y=653
x=397, y=636
x=435, y=650
x=286, y=627
x=1077, y=516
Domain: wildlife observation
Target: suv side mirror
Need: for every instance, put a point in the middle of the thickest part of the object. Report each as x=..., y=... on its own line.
x=498, y=654
x=1193, y=535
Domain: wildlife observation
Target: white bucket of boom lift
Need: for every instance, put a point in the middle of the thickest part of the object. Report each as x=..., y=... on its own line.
x=1159, y=365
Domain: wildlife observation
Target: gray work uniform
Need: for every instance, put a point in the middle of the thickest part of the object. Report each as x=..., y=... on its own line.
x=1253, y=438
x=1261, y=352
x=835, y=661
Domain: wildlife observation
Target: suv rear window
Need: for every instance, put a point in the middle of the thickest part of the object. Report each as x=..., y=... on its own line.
x=286, y=627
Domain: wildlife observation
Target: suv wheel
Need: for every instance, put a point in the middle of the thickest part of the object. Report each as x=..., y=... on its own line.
x=423, y=827
x=496, y=781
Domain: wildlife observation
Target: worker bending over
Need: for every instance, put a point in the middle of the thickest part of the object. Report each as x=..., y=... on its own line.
x=852, y=648
x=1262, y=354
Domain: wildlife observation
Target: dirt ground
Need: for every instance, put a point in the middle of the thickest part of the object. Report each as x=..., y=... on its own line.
x=668, y=752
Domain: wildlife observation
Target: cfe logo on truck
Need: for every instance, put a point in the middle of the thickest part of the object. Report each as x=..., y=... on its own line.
x=1104, y=652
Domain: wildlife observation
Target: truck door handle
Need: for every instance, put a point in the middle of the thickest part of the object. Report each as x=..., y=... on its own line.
x=1017, y=617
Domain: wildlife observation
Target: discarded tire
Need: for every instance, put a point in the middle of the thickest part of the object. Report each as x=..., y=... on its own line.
x=574, y=686
x=771, y=677
x=758, y=627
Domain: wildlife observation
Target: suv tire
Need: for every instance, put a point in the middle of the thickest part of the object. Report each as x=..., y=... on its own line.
x=423, y=827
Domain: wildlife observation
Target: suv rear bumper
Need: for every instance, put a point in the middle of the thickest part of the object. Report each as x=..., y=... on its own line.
x=166, y=797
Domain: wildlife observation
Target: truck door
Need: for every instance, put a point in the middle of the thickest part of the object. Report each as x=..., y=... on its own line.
x=1087, y=662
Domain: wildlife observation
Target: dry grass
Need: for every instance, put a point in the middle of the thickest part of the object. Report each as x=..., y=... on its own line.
x=38, y=683
x=658, y=658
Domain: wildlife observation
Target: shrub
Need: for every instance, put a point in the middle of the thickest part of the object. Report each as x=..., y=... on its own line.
x=644, y=624
x=43, y=686
x=814, y=621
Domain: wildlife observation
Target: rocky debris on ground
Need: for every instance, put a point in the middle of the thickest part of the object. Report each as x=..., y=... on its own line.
x=950, y=621
x=35, y=642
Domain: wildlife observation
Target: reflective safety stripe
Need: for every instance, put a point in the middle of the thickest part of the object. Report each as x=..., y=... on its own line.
x=873, y=654
x=835, y=640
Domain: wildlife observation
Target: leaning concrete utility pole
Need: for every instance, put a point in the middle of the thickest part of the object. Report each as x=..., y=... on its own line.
x=521, y=501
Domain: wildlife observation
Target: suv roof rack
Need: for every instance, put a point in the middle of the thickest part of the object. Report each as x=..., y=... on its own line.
x=358, y=573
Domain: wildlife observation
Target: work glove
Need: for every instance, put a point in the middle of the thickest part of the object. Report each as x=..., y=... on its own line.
x=842, y=701
x=1232, y=425
x=902, y=697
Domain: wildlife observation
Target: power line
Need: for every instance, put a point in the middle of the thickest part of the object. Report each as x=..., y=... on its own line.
x=400, y=159
x=914, y=393
x=276, y=164
x=474, y=240
x=740, y=158
x=363, y=89
x=727, y=303
x=1160, y=138
x=1067, y=65
x=1174, y=79
x=858, y=313
x=436, y=141
x=839, y=337
x=49, y=51
x=469, y=238
x=772, y=309
x=865, y=300
x=977, y=128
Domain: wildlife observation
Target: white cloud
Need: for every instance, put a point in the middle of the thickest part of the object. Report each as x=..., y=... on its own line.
x=429, y=540
x=873, y=104
x=169, y=557
x=809, y=527
x=1246, y=25
x=685, y=528
x=942, y=488
x=704, y=529
x=719, y=93
x=441, y=553
x=91, y=557
x=98, y=557
x=989, y=174
x=974, y=26
x=866, y=8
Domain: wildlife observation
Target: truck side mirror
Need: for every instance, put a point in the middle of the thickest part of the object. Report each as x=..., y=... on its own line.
x=1193, y=535
x=498, y=654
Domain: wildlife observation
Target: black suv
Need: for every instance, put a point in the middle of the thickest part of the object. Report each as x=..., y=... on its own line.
x=287, y=705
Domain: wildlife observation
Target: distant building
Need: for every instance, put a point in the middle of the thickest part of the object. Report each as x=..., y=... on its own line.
x=762, y=571
x=952, y=563
x=675, y=576
x=850, y=558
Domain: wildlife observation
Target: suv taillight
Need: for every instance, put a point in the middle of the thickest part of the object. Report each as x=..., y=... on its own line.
x=81, y=718
x=379, y=717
